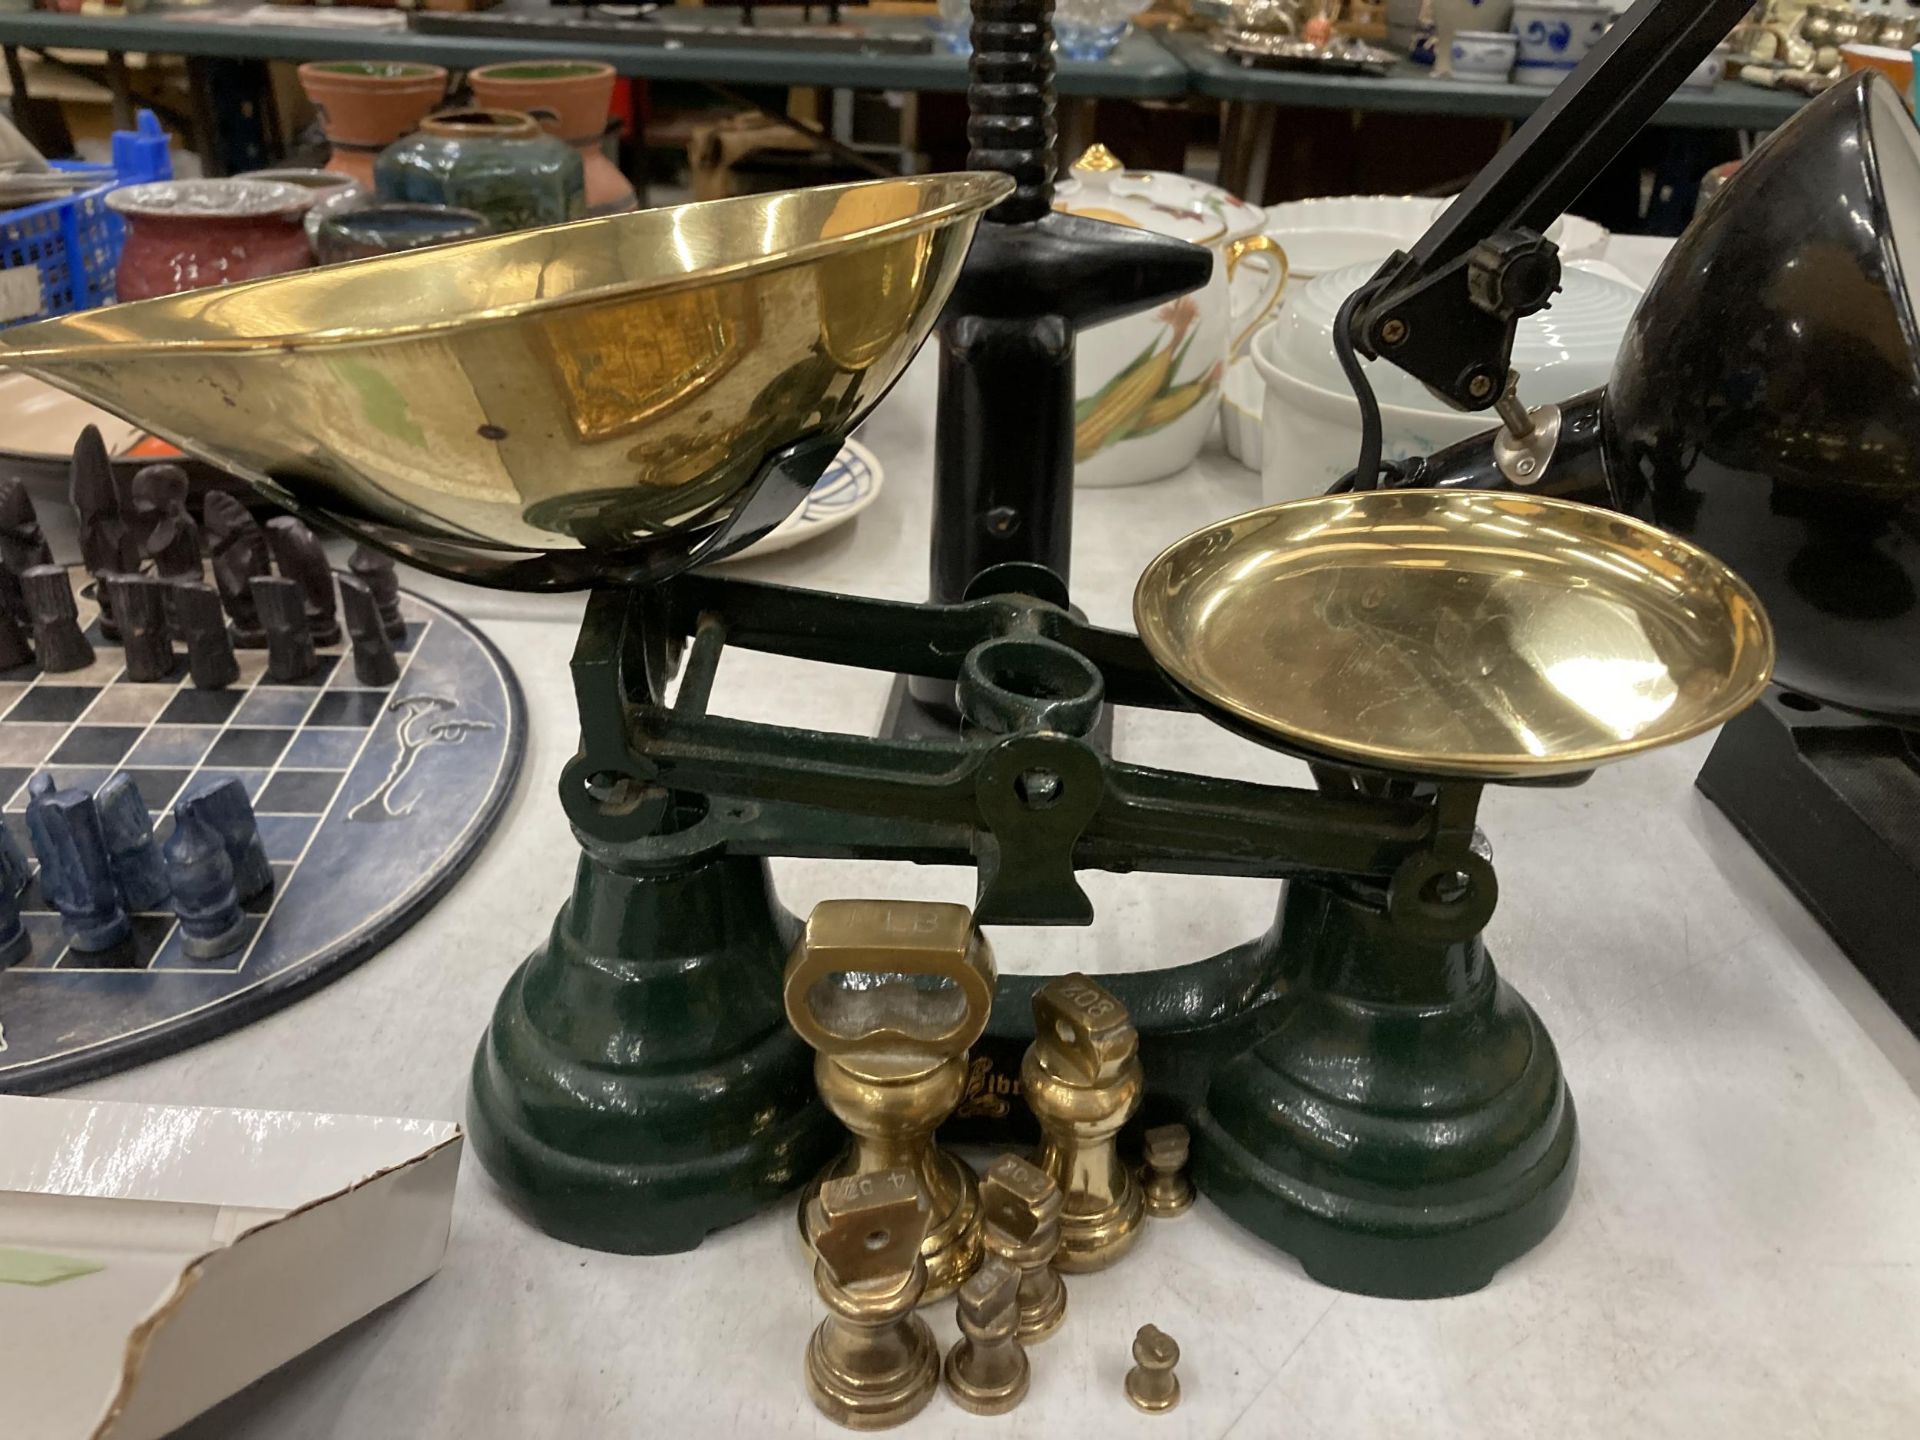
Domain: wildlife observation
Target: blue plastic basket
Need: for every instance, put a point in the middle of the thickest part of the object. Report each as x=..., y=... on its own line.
x=73, y=244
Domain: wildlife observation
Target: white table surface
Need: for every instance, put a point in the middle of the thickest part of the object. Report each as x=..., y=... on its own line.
x=1741, y=1257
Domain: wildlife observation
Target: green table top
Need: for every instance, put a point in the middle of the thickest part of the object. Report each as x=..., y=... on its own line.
x=1139, y=69
x=1413, y=89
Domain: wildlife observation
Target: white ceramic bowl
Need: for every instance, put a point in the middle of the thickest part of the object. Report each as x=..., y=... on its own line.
x=1310, y=436
x=1561, y=351
x=1243, y=395
x=1340, y=230
x=1484, y=55
x=1555, y=36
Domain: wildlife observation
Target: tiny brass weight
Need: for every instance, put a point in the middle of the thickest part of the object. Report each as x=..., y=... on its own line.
x=1169, y=1191
x=1151, y=1383
x=891, y=994
x=872, y=1363
x=1083, y=1081
x=1020, y=1207
x=987, y=1371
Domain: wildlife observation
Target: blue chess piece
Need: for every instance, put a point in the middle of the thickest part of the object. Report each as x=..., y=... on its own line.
x=223, y=807
x=137, y=869
x=15, y=943
x=201, y=877
x=76, y=874
x=14, y=870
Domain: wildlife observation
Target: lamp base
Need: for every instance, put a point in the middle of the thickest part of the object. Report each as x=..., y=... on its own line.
x=1402, y=1127
x=638, y=1087
x=1832, y=803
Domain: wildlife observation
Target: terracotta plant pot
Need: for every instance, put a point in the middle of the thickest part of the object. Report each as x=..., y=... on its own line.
x=570, y=99
x=191, y=234
x=366, y=105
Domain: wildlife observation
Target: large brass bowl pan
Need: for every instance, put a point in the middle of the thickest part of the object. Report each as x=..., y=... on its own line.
x=1454, y=632
x=545, y=408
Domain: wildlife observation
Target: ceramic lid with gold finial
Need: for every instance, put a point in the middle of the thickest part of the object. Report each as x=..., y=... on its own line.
x=1100, y=187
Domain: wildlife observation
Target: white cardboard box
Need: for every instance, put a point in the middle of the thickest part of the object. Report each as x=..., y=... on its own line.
x=229, y=1241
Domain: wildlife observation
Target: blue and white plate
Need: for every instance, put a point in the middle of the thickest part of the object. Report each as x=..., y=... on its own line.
x=851, y=483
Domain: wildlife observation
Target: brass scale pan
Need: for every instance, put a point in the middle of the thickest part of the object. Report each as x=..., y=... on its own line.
x=567, y=394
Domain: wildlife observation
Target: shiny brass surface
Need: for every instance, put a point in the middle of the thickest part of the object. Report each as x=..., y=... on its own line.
x=1169, y=1192
x=891, y=994
x=1456, y=632
x=1152, y=1384
x=1083, y=1081
x=586, y=387
x=1020, y=1222
x=872, y=1363
x=987, y=1371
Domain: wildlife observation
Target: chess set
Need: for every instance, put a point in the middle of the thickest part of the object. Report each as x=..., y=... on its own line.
x=316, y=787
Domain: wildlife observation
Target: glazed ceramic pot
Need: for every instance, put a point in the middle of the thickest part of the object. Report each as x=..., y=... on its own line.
x=190, y=234
x=366, y=105
x=331, y=190
x=1483, y=55
x=499, y=162
x=388, y=228
x=570, y=99
x=1147, y=387
x=1555, y=36
x=1450, y=17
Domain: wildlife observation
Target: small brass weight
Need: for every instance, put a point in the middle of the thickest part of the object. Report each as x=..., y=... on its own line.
x=891, y=994
x=1083, y=1081
x=872, y=1362
x=1021, y=1207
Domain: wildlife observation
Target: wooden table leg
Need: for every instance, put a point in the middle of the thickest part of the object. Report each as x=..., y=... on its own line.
x=122, y=88
x=1246, y=149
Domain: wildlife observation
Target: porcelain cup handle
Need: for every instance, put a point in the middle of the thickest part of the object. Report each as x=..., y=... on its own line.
x=1247, y=320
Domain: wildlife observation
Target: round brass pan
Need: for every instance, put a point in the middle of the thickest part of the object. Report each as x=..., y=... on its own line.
x=1454, y=632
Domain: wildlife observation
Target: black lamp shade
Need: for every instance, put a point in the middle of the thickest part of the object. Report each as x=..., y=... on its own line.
x=1766, y=402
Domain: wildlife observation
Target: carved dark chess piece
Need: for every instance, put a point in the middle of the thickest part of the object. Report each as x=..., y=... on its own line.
x=299, y=556
x=106, y=544
x=14, y=649
x=128, y=826
x=373, y=662
x=283, y=614
x=57, y=638
x=375, y=571
x=76, y=874
x=203, y=629
x=172, y=539
x=14, y=870
x=141, y=603
x=15, y=943
x=239, y=550
x=222, y=805
x=22, y=546
x=200, y=875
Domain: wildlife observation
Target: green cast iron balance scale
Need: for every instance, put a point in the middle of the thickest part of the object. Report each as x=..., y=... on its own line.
x=608, y=404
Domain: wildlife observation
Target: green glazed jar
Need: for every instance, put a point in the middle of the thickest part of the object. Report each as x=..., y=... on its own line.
x=498, y=162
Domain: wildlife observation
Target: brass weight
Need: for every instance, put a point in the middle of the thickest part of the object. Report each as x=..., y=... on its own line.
x=1083, y=1081
x=891, y=993
x=1020, y=1207
x=872, y=1363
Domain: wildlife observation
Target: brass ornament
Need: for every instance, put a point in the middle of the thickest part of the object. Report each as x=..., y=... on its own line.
x=987, y=1371
x=1020, y=1222
x=1455, y=632
x=1083, y=1081
x=872, y=1363
x=890, y=994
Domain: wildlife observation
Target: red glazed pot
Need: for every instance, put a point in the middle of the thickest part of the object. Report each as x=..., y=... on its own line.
x=189, y=234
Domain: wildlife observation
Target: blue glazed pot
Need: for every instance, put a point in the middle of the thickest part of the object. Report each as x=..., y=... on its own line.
x=498, y=162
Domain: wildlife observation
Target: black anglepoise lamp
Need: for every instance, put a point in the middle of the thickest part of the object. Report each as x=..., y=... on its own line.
x=1765, y=404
